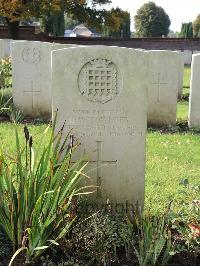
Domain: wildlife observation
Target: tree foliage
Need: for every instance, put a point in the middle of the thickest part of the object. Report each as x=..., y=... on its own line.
x=54, y=24
x=117, y=23
x=196, y=26
x=151, y=21
x=186, y=30
x=70, y=23
x=18, y=10
x=83, y=10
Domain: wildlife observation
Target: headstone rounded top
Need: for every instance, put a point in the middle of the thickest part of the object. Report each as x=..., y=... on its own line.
x=99, y=80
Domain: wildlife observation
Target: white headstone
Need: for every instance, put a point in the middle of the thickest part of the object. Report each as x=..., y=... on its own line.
x=31, y=71
x=181, y=74
x=182, y=64
x=194, y=106
x=4, y=48
x=163, y=88
x=1, y=49
x=100, y=94
x=187, y=57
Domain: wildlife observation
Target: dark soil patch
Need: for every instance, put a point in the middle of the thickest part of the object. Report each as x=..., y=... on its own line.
x=181, y=259
x=25, y=121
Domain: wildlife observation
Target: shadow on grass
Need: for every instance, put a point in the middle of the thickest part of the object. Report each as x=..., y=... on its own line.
x=180, y=127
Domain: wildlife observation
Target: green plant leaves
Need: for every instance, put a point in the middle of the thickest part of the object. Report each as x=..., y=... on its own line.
x=54, y=242
x=154, y=239
x=41, y=248
x=16, y=254
x=37, y=192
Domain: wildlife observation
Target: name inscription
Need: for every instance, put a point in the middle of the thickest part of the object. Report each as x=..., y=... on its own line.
x=101, y=123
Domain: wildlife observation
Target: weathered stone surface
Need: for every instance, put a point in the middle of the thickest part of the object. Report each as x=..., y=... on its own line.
x=4, y=48
x=31, y=70
x=164, y=83
x=187, y=57
x=181, y=74
x=194, y=106
x=102, y=97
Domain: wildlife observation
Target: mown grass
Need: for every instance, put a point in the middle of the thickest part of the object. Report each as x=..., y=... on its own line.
x=170, y=159
x=183, y=106
x=182, y=111
x=186, y=79
x=7, y=135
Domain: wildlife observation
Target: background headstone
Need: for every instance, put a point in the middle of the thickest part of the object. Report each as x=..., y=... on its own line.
x=181, y=74
x=4, y=48
x=31, y=71
x=165, y=70
x=187, y=57
x=100, y=94
x=194, y=101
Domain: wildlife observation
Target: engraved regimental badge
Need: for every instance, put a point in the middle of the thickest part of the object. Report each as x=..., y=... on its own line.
x=31, y=55
x=99, y=80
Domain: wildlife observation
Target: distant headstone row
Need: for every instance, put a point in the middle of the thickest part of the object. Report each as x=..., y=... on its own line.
x=104, y=96
x=32, y=91
x=5, y=51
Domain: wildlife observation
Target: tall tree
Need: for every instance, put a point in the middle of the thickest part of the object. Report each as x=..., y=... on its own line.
x=117, y=23
x=54, y=24
x=151, y=21
x=196, y=26
x=70, y=23
x=16, y=10
x=186, y=30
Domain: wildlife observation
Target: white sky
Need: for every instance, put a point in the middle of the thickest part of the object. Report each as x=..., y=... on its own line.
x=179, y=11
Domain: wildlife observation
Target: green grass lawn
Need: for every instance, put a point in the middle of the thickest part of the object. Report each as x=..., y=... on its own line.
x=7, y=134
x=186, y=79
x=182, y=110
x=170, y=159
x=183, y=106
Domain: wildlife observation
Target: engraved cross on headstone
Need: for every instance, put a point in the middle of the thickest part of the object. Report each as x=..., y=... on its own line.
x=159, y=84
x=33, y=92
x=100, y=163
